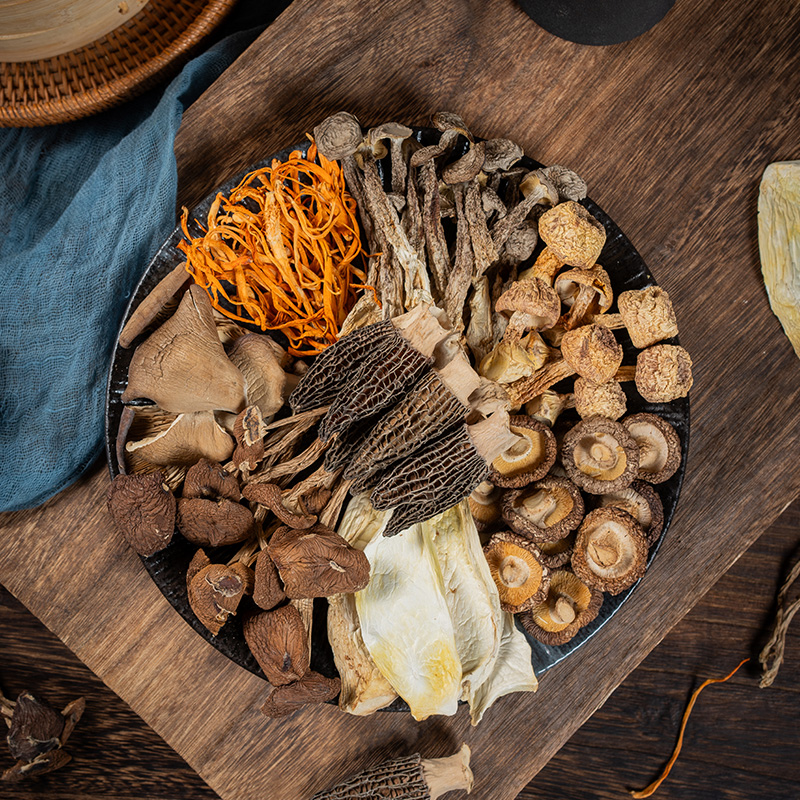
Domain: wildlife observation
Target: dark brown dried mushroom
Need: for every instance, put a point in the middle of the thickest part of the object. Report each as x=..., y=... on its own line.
x=310, y=689
x=517, y=570
x=663, y=373
x=143, y=511
x=484, y=504
x=209, y=480
x=600, y=456
x=267, y=588
x=593, y=352
x=467, y=167
x=278, y=641
x=572, y=233
x=642, y=502
x=557, y=554
x=599, y=399
x=610, y=550
x=35, y=728
x=214, y=523
x=569, y=606
x=545, y=511
x=569, y=184
x=530, y=458
x=270, y=496
x=317, y=562
x=215, y=590
x=659, y=446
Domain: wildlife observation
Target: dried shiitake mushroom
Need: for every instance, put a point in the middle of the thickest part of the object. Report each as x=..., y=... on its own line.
x=517, y=570
x=215, y=590
x=484, y=503
x=663, y=373
x=214, y=523
x=530, y=458
x=600, y=456
x=610, y=550
x=143, y=511
x=659, y=446
x=593, y=352
x=572, y=233
x=557, y=554
x=599, y=399
x=289, y=697
x=545, y=511
x=569, y=606
x=279, y=643
x=642, y=502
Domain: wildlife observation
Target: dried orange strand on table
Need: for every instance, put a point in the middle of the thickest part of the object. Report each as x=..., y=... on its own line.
x=283, y=251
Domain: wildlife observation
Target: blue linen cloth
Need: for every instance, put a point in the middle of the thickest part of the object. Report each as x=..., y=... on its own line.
x=83, y=208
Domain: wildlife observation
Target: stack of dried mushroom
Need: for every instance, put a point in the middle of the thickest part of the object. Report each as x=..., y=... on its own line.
x=487, y=299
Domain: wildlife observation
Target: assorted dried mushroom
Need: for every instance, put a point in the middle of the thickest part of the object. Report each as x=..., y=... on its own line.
x=462, y=452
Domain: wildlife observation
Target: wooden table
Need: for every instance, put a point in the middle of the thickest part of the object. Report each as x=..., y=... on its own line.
x=672, y=131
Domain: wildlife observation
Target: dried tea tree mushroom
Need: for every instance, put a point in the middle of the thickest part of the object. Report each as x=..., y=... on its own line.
x=526, y=389
x=312, y=688
x=585, y=292
x=467, y=167
x=573, y=234
x=267, y=589
x=277, y=639
x=215, y=590
x=593, y=352
x=531, y=305
x=254, y=356
x=537, y=191
x=528, y=459
x=663, y=373
x=610, y=550
x=484, y=504
x=182, y=365
x=517, y=570
x=648, y=315
x=545, y=511
x=642, y=502
x=569, y=606
x=143, y=511
x=395, y=134
x=600, y=456
x=209, y=480
x=317, y=562
x=501, y=154
x=659, y=446
x=214, y=523
x=599, y=399
x=570, y=185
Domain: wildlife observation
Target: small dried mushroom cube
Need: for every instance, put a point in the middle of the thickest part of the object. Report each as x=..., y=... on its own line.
x=642, y=502
x=659, y=446
x=573, y=234
x=648, y=315
x=545, y=511
x=517, y=570
x=610, y=550
x=529, y=459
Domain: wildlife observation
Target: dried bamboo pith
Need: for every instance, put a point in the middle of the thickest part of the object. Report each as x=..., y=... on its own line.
x=771, y=657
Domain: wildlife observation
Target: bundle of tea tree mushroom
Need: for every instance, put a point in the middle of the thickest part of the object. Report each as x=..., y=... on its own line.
x=481, y=362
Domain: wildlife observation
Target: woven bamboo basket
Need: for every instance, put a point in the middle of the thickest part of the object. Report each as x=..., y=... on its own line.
x=144, y=50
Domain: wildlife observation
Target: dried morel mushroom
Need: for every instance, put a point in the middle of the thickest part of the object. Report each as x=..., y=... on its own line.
x=530, y=458
x=143, y=511
x=569, y=606
x=610, y=550
x=659, y=446
x=279, y=643
x=572, y=233
x=642, y=502
x=214, y=523
x=289, y=697
x=317, y=562
x=545, y=511
x=600, y=456
x=215, y=590
x=663, y=373
x=517, y=570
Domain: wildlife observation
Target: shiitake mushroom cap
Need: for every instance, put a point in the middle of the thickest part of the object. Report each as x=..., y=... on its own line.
x=643, y=503
x=517, y=570
x=659, y=446
x=557, y=554
x=513, y=471
x=559, y=509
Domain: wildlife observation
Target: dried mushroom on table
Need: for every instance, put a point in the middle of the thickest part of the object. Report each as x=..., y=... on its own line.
x=442, y=439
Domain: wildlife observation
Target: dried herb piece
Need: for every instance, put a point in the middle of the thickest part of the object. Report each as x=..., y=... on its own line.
x=277, y=640
x=310, y=689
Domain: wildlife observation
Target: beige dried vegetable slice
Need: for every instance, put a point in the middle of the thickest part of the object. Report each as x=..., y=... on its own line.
x=779, y=243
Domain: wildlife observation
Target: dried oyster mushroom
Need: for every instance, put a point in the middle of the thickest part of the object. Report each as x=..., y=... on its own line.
x=484, y=504
x=599, y=399
x=278, y=641
x=267, y=589
x=600, y=456
x=569, y=606
x=517, y=570
x=663, y=373
x=545, y=511
x=214, y=523
x=573, y=234
x=585, y=292
x=143, y=511
x=215, y=590
x=254, y=356
x=659, y=446
x=648, y=316
x=610, y=550
x=593, y=352
x=530, y=458
x=642, y=502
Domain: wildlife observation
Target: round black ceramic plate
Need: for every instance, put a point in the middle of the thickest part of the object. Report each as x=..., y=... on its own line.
x=168, y=567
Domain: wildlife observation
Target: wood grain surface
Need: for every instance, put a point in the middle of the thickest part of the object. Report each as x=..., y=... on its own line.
x=741, y=742
x=672, y=132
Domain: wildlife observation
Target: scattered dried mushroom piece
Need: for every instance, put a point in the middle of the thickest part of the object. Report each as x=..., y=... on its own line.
x=214, y=523
x=215, y=590
x=279, y=643
x=530, y=458
x=517, y=570
x=287, y=698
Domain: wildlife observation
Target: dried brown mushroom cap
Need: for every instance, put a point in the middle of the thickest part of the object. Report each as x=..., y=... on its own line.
x=600, y=456
x=210, y=480
x=585, y=292
x=557, y=554
x=517, y=571
x=573, y=234
x=531, y=304
x=648, y=315
x=530, y=458
x=215, y=591
x=570, y=185
x=501, y=154
x=610, y=550
x=659, y=446
x=338, y=136
x=317, y=562
x=642, y=502
x=34, y=727
x=143, y=511
x=450, y=121
x=310, y=689
x=254, y=356
x=214, y=523
x=270, y=496
x=663, y=373
x=593, y=352
x=182, y=366
x=267, y=589
x=278, y=641
x=484, y=503
x=569, y=606
x=599, y=399
x=545, y=511
x=546, y=267
x=537, y=184
x=467, y=167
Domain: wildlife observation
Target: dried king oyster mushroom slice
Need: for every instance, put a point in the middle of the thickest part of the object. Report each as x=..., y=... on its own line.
x=600, y=456
x=659, y=446
x=642, y=502
x=610, y=550
x=517, y=570
x=572, y=233
x=545, y=511
x=569, y=606
x=528, y=459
